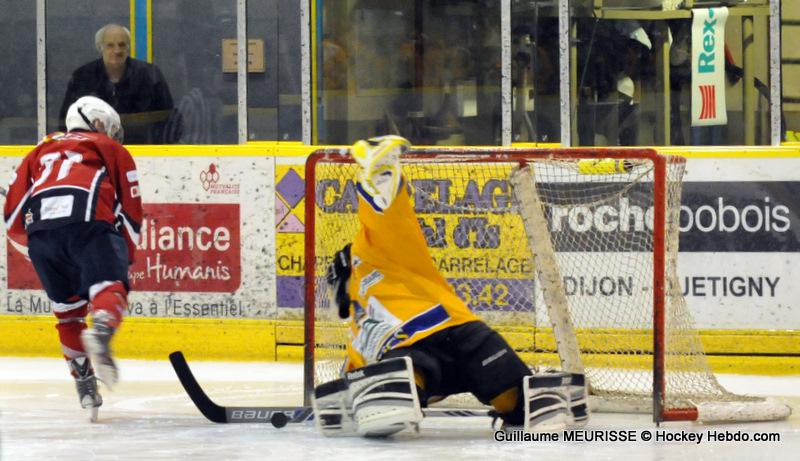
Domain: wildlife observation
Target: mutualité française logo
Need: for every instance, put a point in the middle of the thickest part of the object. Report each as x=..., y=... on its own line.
x=209, y=177
x=210, y=180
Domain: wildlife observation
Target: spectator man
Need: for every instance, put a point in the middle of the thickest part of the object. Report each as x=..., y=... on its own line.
x=129, y=85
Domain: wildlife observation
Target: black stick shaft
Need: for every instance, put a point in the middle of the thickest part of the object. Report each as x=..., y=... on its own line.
x=220, y=414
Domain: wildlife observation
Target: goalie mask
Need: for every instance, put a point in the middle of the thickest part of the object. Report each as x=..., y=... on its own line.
x=379, y=159
x=93, y=114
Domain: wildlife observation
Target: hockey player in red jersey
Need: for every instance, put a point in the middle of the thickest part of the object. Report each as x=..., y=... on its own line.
x=74, y=209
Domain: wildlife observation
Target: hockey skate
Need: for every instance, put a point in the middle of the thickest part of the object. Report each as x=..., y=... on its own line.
x=97, y=342
x=86, y=384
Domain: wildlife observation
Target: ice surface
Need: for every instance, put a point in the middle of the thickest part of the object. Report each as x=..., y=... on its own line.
x=149, y=417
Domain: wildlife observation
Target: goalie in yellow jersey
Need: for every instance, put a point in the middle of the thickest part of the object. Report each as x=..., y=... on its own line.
x=413, y=341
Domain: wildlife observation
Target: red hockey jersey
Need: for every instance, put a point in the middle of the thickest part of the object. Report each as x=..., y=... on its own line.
x=74, y=177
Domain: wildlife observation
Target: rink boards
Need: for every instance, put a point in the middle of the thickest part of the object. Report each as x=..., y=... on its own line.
x=220, y=266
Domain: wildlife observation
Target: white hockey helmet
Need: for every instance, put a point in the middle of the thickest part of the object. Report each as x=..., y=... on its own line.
x=84, y=114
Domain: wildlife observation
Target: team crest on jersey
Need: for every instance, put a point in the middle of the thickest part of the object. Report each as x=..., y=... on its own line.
x=28, y=218
x=369, y=280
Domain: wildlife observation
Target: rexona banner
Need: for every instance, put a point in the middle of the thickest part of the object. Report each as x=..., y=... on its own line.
x=708, y=67
x=206, y=242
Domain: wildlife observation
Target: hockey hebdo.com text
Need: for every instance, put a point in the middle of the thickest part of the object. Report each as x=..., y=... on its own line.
x=639, y=435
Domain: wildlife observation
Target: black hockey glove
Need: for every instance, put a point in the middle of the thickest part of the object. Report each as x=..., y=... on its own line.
x=337, y=277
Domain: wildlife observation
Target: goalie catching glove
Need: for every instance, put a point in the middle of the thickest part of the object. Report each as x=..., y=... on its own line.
x=336, y=277
x=380, y=176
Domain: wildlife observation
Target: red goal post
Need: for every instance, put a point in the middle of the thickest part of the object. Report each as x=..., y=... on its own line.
x=600, y=291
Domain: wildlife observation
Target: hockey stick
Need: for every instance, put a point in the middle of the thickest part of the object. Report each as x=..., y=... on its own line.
x=277, y=416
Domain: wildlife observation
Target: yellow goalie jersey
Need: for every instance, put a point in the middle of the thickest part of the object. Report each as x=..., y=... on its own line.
x=398, y=296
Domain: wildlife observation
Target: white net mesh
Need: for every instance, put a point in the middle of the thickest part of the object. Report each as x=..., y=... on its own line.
x=601, y=229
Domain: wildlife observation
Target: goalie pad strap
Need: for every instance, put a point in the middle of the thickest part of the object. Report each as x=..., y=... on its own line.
x=578, y=404
x=331, y=387
x=547, y=411
x=550, y=380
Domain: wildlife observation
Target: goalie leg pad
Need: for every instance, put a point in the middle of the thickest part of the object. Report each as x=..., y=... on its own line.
x=331, y=413
x=384, y=397
x=578, y=403
x=546, y=403
x=555, y=401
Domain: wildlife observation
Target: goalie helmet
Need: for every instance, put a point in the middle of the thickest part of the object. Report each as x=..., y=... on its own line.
x=86, y=112
x=379, y=159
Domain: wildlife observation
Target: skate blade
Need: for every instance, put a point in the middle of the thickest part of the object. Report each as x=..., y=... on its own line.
x=93, y=413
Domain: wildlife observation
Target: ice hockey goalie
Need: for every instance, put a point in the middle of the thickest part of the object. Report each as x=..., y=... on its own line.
x=413, y=340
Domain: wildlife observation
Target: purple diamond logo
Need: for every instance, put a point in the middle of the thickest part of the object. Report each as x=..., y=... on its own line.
x=291, y=224
x=291, y=187
x=281, y=210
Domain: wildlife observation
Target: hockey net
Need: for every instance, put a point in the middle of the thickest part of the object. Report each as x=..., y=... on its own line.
x=569, y=257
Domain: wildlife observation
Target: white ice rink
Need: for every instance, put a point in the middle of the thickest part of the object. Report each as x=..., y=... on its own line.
x=149, y=417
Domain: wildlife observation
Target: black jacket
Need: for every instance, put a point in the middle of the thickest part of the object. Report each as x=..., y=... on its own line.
x=141, y=89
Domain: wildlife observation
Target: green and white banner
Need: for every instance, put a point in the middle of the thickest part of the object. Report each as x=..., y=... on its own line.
x=708, y=67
